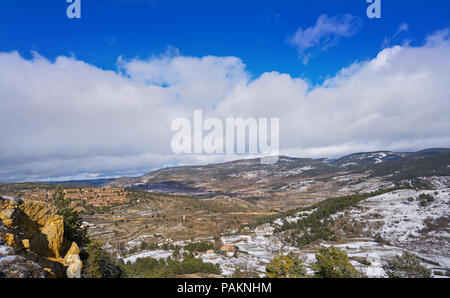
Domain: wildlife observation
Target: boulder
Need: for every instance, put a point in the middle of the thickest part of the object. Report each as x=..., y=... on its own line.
x=11, y=240
x=74, y=249
x=74, y=266
x=26, y=243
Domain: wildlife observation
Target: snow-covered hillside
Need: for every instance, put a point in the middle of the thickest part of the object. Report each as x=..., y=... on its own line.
x=401, y=219
x=398, y=217
x=416, y=221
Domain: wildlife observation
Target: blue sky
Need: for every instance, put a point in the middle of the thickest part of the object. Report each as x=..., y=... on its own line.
x=96, y=97
x=256, y=31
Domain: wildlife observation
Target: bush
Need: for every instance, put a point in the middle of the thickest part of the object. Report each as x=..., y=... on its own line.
x=406, y=266
x=238, y=273
x=285, y=266
x=334, y=263
x=198, y=246
x=425, y=199
x=381, y=240
x=144, y=245
x=99, y=263
x=193, y=265
x=152, y=268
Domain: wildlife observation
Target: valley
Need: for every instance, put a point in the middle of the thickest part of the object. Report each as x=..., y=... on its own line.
x=248, y=213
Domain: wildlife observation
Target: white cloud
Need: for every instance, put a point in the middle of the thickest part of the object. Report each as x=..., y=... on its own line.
x=438, y=37
x=325, y=33
x=66, y=118
x=396, y=37
x=191, y=81
x=404, y=27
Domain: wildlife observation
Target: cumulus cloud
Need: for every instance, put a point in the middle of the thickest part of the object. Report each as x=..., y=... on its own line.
x=191, y=81
x=67, y=118
x=324, y=34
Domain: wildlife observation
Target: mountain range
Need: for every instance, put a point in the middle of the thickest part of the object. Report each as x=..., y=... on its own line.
x=292, y=178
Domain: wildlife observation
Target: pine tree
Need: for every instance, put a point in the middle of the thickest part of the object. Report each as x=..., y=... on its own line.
x=285, y=266
x=334, y=263
x=73, y=229
x=406, y=266
x=91, y=267
x=99, y=263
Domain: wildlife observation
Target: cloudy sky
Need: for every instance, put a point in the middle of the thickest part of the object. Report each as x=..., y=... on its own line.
x=96, y=97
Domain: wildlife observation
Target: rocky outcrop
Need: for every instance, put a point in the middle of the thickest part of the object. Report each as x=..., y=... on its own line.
x=72, y=259
x=16, y=266
x=74, y=266
x=35, y=231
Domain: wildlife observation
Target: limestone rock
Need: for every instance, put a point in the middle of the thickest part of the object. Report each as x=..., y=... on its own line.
x=73, y=250
x=11, y=240
x=74, y=266
x=7, y=217
x=73, y=262
x=26, y=243
x=43, y=226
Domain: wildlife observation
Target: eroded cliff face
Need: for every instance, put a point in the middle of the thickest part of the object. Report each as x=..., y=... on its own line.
x=32, y=239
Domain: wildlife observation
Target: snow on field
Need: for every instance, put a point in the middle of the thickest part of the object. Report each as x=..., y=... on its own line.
x=249, y=174
x=294, y=172
x=146, y=213
x=5, y=250
x=299, y=215
x=255, y=251
x=399, y=219
x=439, y=182
x=138, y=240
x=156, y=254
x=370, y=185
x=348, y=164
x=301, y=185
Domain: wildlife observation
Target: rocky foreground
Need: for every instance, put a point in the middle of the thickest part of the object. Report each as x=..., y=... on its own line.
x=32, y=242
